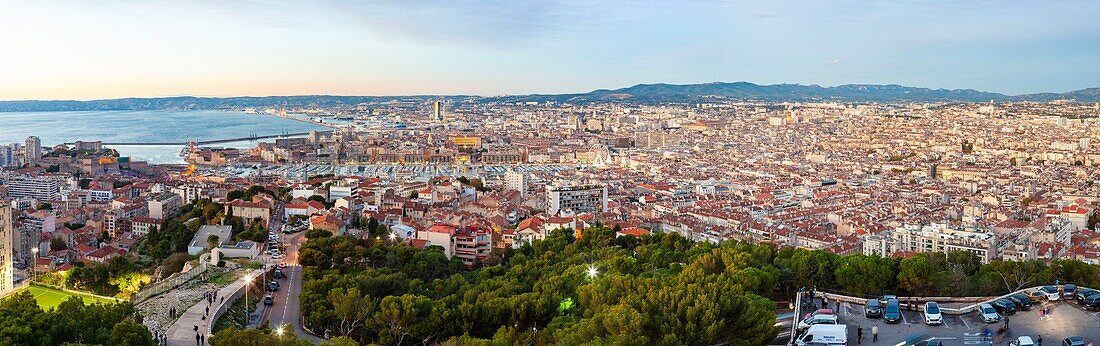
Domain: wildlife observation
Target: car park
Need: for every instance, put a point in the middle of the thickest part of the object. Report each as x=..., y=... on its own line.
x=1004, y=306
x=1022, y=302
x=1069, y=291
x=988, y=313
x=816, y=320
x=1074, y=341
x=873, y=308
x=893, y=312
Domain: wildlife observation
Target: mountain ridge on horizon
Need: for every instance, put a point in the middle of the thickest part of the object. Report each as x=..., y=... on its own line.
x=638, y=93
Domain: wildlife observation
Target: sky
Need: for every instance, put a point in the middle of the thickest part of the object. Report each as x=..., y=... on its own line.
x=95, y=49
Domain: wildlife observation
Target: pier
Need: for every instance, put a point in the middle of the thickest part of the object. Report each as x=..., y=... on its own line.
x=215, y=141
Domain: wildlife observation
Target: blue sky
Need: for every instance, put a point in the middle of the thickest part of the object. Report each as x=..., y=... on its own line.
x=107, y=49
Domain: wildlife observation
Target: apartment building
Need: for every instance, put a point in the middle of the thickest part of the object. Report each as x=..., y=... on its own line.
x=7, y=226
x=164, y=205
x=470, y=244
x=938, y=237
x=576, y=199
x=38, y=187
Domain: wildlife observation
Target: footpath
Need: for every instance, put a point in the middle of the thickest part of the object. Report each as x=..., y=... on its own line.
x=196, y=323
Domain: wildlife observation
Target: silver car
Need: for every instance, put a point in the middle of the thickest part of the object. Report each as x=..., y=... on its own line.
x=988, y=313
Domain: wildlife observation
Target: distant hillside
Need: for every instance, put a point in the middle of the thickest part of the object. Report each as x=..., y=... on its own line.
x=658, y=93
x=641, y=93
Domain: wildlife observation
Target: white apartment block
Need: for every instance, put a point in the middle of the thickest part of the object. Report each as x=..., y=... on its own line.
x=576, y=199
x=938, y=237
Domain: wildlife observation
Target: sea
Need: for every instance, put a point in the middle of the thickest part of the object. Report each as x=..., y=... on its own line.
x=145, y=126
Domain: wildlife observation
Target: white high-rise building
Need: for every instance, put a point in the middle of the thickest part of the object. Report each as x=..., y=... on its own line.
x=576, y=199
x=6, y=249
x=33, y=149
x=516, y=181
x=37, y=187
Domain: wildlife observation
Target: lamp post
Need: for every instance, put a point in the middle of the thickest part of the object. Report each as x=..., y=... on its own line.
x=34, y=264
x=248, y=315
x=393, y=236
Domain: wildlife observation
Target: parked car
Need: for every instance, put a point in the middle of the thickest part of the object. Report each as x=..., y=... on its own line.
x=1074, y=341
x=273, y=286
x=824, y=334
x=1004, y=306
x=269, y=300
x=932, y=314
x=988, y=313
x=893, y=312
x=1069, y=291
x=816, y=320
x=282, y=264
x=818, y=312
x=934, y=342
x=278, y=256
x=1085, y=293
x=1022, y=302
x=1023, y=341
x=1050, y=292
x=278, y=274
x=1092, y=302
x=883, y=299
x=873, y=309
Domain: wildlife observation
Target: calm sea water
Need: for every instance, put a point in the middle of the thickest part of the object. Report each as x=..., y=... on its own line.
x=144, y=126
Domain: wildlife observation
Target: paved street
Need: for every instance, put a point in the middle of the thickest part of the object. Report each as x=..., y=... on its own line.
x=286, y=309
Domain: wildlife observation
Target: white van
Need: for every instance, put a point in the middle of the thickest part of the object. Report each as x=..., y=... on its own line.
x=824, y=334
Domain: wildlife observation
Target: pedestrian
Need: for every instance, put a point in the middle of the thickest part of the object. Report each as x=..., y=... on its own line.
x=198, y=341
x=1006, y=322
x=874, y=333
x=202, y=339
x=859, y=335
x=1039, y=342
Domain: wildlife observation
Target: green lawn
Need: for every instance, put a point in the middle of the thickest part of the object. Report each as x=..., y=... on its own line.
x=49, y=298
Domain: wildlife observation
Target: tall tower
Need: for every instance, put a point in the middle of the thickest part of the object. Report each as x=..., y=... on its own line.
x=33, y=149
x=437, y=111
x=6, y=229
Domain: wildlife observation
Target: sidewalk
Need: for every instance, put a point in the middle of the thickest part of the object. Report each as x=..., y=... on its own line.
x=182, y=332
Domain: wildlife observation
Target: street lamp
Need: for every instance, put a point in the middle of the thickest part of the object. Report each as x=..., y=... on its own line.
x=393, y=236
x=592, y=272
x=279, y=331
x=34, y=264
x=248, y=315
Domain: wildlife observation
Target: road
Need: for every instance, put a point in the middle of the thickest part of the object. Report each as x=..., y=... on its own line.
x=287, y=307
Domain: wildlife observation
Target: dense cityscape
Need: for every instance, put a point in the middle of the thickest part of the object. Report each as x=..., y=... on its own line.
x=547, y=172
x=479, y=183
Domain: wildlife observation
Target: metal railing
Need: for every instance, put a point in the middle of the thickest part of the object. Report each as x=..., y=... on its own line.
x=173, y=281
